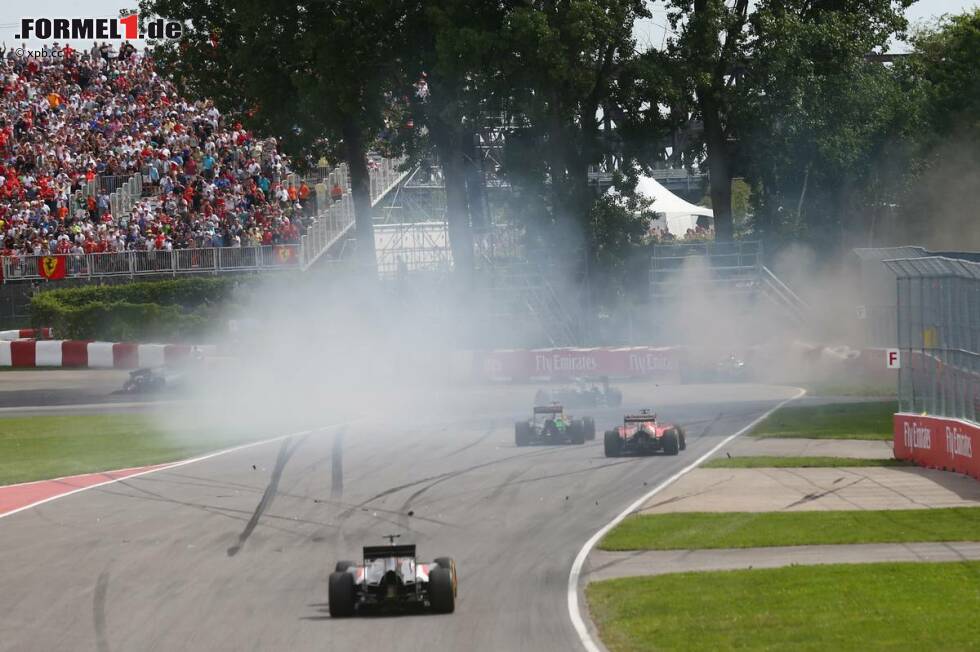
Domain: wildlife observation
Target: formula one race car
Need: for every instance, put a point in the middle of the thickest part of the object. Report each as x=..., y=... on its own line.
x=391, y=577
x=643, y=434
x=550, y=425
x=584, y=393
x=153, y=380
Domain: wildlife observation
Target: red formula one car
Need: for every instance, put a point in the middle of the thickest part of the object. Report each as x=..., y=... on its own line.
x=643, y=434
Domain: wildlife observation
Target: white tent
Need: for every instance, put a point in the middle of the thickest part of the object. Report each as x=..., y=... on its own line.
x=673, y=213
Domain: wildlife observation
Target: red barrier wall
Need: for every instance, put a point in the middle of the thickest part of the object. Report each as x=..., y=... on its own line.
x=938, y=443
x=625, y=362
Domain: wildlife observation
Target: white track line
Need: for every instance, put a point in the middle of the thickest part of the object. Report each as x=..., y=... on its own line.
x=172, y=465
x=573, y=576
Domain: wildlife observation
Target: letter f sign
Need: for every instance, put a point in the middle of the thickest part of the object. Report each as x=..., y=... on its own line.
x=893, y=359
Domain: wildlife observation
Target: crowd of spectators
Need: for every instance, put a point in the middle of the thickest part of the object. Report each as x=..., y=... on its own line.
x=99, y=114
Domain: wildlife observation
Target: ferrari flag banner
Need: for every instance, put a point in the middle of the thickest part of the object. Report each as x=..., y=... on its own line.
x=52, y=267
x=285, y=255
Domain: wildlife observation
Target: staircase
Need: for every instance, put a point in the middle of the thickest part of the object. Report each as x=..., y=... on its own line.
x=733, y=269
x=524, y=300
x=334, y=221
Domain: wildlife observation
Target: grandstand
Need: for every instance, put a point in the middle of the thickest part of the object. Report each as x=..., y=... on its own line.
x=103, y=162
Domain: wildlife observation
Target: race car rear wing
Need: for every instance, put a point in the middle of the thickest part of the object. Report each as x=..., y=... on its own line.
x=639, y=418
x=547, y=409
x=388, y=552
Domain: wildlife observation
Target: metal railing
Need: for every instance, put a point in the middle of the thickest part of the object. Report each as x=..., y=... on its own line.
x=332, y=221
x=146, y=263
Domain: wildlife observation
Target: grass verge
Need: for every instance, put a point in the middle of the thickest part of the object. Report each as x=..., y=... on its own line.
x=850, y=389
x=688, y=531
x=776, y=462
x=894, y=606
x=41, y=447
x=864, y=420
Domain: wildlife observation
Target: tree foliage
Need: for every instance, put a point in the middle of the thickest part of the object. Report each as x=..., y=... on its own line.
x=830, y=142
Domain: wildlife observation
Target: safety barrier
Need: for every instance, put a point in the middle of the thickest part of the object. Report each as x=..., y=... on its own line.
x=144, y=263
x=96, y=355
x=938, y=442
x=25, y=333
x=561, y=363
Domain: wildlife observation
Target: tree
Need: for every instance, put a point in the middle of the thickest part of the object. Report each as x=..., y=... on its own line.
x=451, y=58
x=941, y=182
x=751, y=63
x=313, y=74
x=565, y=58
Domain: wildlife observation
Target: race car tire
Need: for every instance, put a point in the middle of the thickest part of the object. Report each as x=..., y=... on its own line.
x=671, y=442
x=447, y=562
x=683, y=436
x=522, y=433
x=442, y=595
x=343, y=566
x=341, y=595
x=589, y=423
x=576, y=432
x=612, y=444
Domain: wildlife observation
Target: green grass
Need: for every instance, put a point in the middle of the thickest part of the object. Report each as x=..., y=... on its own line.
x=865, y=420
x=776, y=462
x=753, y=529
x=36, y=448
x=872, y=390
x=895, y=606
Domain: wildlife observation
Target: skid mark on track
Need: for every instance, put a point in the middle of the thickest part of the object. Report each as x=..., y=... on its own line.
x=453, y=474
x=479, y=440
x=98, y=611
x=508, y=482
x=337, y=465
x=285, y=452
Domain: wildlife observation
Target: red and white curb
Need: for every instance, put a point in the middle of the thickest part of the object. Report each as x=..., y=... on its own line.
x=574, y=612
x=16, y=498
x=82, y=354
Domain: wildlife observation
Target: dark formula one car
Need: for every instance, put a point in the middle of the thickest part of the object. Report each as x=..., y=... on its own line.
x=550, y=425
x=391, y=577
x=153, y=380
x=584, y=393
x=643, y=434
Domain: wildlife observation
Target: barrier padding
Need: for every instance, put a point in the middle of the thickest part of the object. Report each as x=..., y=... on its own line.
x=74, y=353
x=938, y=443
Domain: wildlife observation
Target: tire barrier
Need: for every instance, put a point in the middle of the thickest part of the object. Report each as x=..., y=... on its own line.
x=82, y=354
x=21, y=333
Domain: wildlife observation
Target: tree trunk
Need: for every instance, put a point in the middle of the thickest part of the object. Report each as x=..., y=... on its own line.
x=475, y=192
x=719, y=168
x=360, y=184
x=457, y=208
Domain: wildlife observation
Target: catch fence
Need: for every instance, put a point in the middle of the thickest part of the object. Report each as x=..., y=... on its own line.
x=939, y=336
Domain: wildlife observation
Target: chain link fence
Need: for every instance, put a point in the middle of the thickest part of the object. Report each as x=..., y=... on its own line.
x=939, y=335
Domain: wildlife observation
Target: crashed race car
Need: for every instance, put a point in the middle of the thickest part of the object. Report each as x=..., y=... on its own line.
x=152, y=380
x=643, y=434
x=550, y=425
x=390, y=577
x=584, y=393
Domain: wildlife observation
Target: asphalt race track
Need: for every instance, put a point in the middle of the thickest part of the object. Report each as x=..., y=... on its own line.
x=218, y=555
